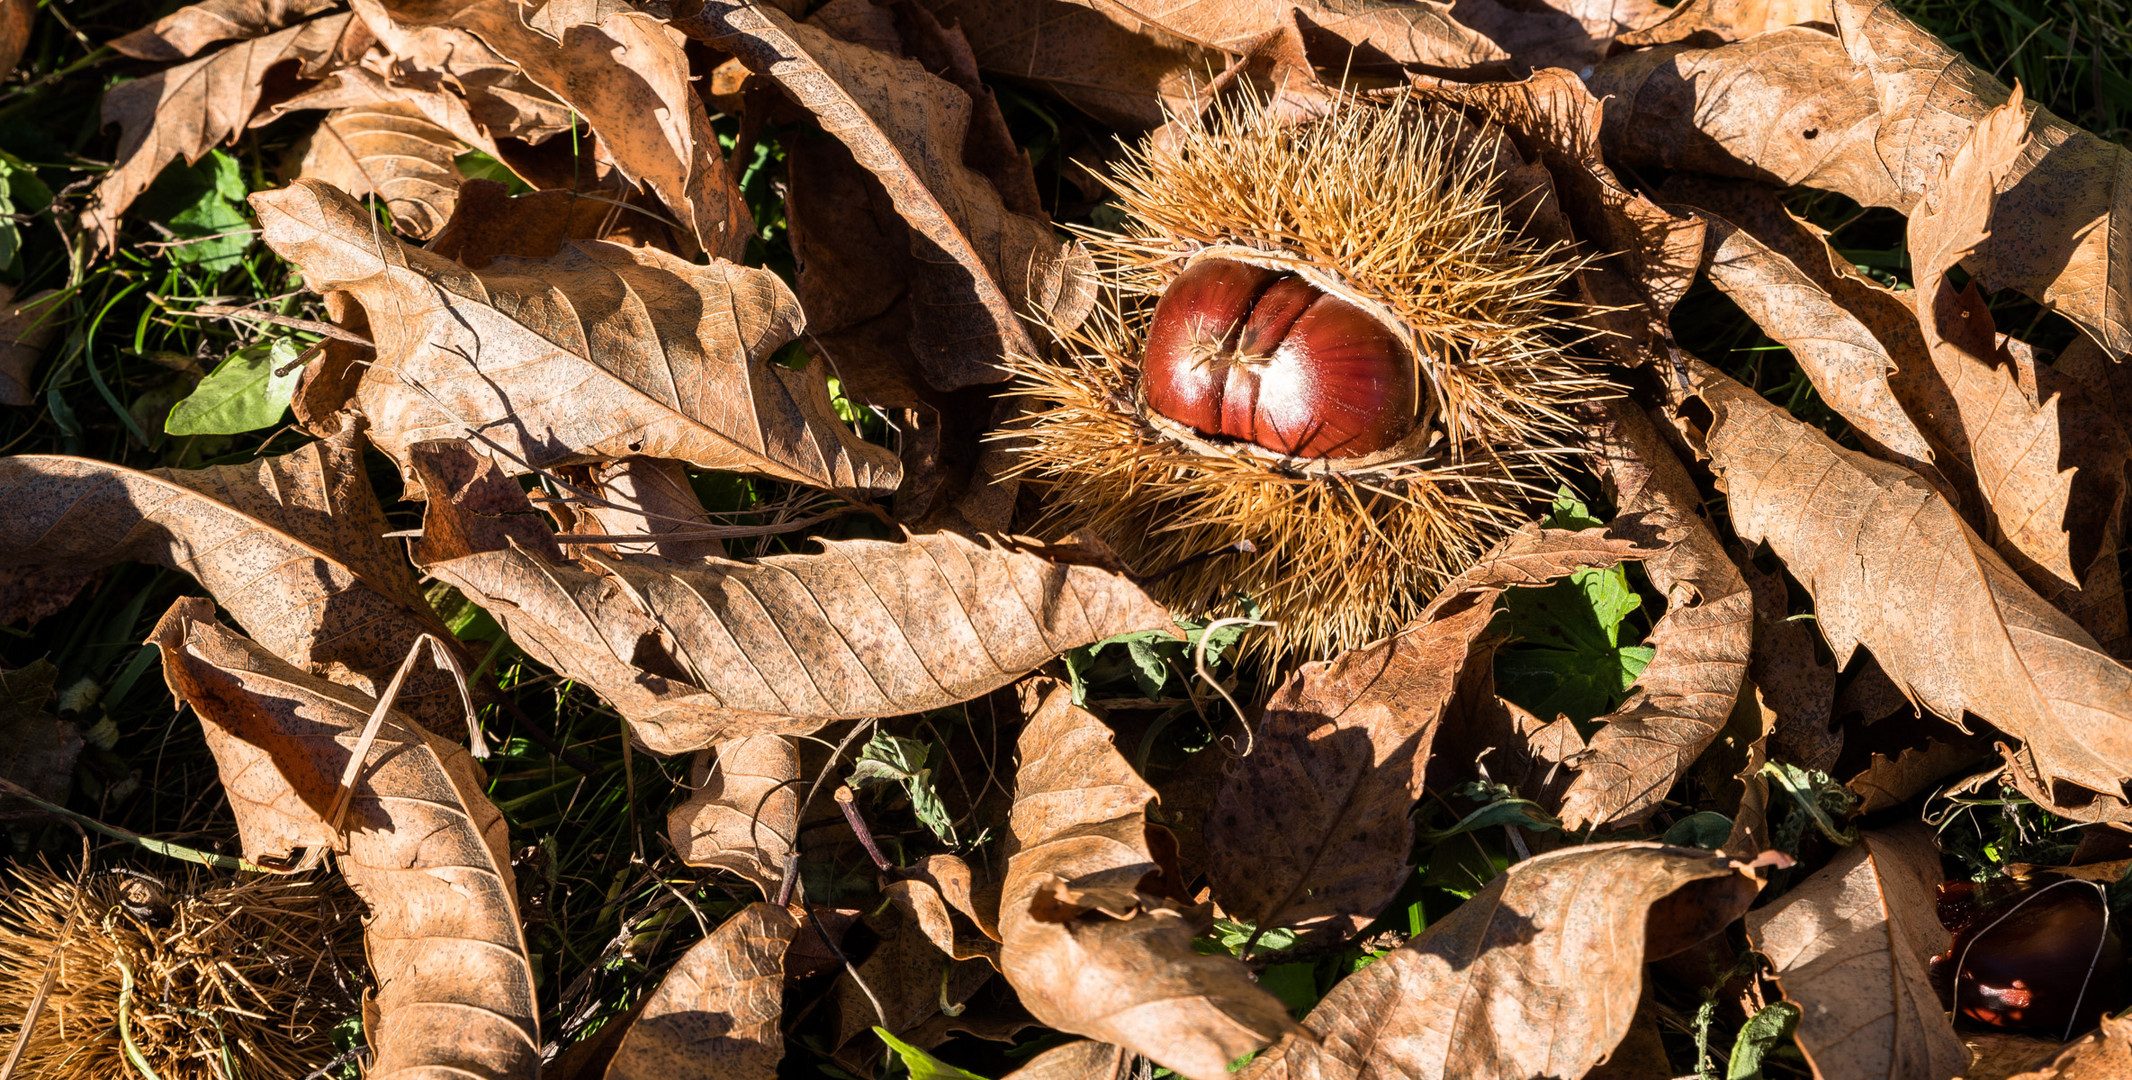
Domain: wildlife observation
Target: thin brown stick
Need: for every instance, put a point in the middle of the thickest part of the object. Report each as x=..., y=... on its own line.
x=220, y=311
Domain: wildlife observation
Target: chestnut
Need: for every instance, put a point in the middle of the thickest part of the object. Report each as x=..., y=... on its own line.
x=1240, y=351
x=2042, y=959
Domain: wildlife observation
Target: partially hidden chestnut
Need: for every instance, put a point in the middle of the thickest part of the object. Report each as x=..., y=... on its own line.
x=1243, y=352
x=2042, y=959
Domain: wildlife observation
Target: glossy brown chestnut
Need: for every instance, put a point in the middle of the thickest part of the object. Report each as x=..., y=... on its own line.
x=2042, y=959
x=1242, y=352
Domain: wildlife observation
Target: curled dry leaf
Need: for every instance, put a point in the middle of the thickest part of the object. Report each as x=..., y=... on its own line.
x=1089, y=952
x=697, y=653
x=490, y=223
x=420, y=844
x=908, y=980
x=1727, y=20
x=1870, y=111
x=2046, y=468
x=623, y=71
x=648, y=497
x=187, y=110
x=601, y=352
x=396, y=152
x=743, y=815
x=26, y=329
x=288, y=545
x=1850, y=946
x=1890, y=782
x=1537, y=975
x=1387, y=38
x=715, y=1016
x=1848, y=365
x=2101, y=1055
x=1311, y=830
x=186, y=31
x=1128, y=77
x=1682, y=699
x=978, y=267
x=1891, y=566
x=1082, y=1060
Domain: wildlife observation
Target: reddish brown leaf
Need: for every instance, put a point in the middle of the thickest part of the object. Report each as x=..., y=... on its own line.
x=1122, y=969
x=1849, y=945
x=978, y=266
x=16, y=19
x=395, y=152
x=26, y=329
x=743, y=812
x=288, y=545
x=1892, y=566
x=187, y=110
x=186, y=31
x=490, y=223
x=601, y=352
x=1311, y=829
x=1537, y=975
x=451, y=77
x=1890, y=782
x=1702, y=642
x=697, y=653
x=424, y=848
x=715, y=1016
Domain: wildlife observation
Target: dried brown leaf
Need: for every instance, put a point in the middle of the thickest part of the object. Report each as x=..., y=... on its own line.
x=1702, y=642
x=1311, y=829
x=625, y=72
x=1079, y=826
x=187, y=110
x=715, y=1016
x=1850, y=946
x=978, y=267
x=2103, y=1054
x=17, y=17
x=743, y=814
x=1122, y=76
x=490, y=223
x=601, y=352
x=1570, y=34
x=288, y=545
x=1890, y=782
x=1796, y=680
x=184, y=32
x=1848, y=365
x=1387, y=37
x=424, y=848
x=697, y=653
x=1537, y=975
x=922, y=901
x=37, y=749
x=1705, y=22
x=395, y=152
x=648, y=497
x=1892, y=566
x=451, y=77
x=1082, y=1060
x=26, y=329
x=907, y=978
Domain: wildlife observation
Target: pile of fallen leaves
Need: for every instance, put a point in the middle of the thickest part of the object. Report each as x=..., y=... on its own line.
x=683, y=324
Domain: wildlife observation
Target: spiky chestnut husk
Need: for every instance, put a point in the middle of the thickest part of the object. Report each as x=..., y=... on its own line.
x=1389, y=206
x=205, y=970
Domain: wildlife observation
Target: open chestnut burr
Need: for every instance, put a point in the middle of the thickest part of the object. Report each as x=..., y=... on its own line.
x=2042, y=959
x=1253, y=354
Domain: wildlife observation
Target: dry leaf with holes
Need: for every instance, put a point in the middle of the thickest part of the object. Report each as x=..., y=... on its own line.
x=1087, y=950
x=1312, y=829
x=716, y=1015
x=979, y=267
x=601, y=352
x=419, y=842
x=288, y=545
x=1537, y=975
x=1850, y=946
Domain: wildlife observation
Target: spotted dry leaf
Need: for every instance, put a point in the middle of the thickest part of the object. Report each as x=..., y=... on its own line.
x=395, y=152
x=625, y=72
x=1702, y=643
x=1311, y=830
x=701, y=652
x=26, y=329
x=601, y=352
x=1727, y=20
x=716, y=1015
x=1086, y=949
x=1850, y=945
x=1893, y=567
x=1537, y=975
x=742, y=816
x=979, y=268
x=420, y=844
x=186, y=31
x=187, y=110
x=289, y=545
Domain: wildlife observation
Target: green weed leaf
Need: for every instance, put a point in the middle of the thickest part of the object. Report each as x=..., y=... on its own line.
x=908, y=763
x=923, y=1066
x=241, y=394
x=203, y=203
x=1763, y=1032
